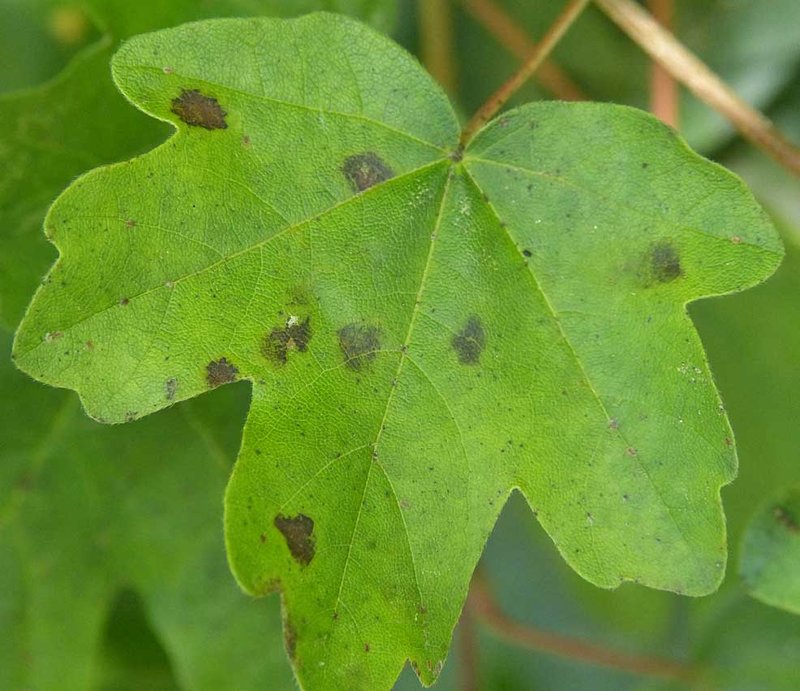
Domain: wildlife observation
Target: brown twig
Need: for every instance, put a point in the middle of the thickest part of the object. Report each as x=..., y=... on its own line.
x=509, y=34
x=664, y=94
x=482, y=605
x=436, y=37
x=554, y=34
x=687, y=68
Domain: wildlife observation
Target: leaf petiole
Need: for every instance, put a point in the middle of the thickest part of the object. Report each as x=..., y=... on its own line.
x=543, y=49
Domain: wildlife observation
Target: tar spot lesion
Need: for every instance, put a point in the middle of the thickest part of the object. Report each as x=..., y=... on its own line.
x=366, y=170
x=359, y=344
x=470, y=342
x=665, y=262
x=279, y=342
x=298, y=531
x=198, y=110
x=219, y=372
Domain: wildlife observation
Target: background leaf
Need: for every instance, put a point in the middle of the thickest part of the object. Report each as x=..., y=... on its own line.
x=770, y=564
x=89, y=511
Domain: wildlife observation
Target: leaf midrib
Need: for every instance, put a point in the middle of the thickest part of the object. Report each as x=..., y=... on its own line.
x=389, y=399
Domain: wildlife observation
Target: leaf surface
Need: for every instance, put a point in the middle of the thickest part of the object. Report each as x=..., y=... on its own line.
x=424, y=328
x=78, y=120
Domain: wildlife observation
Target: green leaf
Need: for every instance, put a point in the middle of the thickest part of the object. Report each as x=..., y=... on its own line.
x=88, y=511
x=79, y=121
x=770, y=564
x=424, y=328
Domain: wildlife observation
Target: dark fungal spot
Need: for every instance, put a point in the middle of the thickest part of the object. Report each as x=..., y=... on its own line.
x=784, y=518
x=360, y=344
x=366, y=170
x=198, y=110
x=297, y=530
x=220, y=372
x=280, y=341
x=527, y=253
x=665, y=262
x=170, y=387
x=470, y=342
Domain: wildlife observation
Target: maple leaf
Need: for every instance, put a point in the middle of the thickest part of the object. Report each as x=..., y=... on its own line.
x=425, y=328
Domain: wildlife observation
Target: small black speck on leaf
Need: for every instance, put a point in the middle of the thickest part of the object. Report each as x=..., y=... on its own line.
x=198, y=110
x=366, y=170
x=470, y=342
x=219, y=372
x=298, y=532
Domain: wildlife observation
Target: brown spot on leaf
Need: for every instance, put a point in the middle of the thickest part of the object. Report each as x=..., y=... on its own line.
x=198, y=110
x=786, y=519
x=665, y=262
x=268, y=586
x=280, y=341
x=298, y=532
x=130, y=223
x=366, y=170
x=360, y=344
x=124, y=302
x=470, y=342
x=170, y=387
x=220, y=372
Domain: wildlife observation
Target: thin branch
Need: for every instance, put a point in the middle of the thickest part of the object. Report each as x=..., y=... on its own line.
x=549, y=41
x=483, y=606
x=664, y=94
x=436, y=36
x=510, y=35
x=687, y=68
